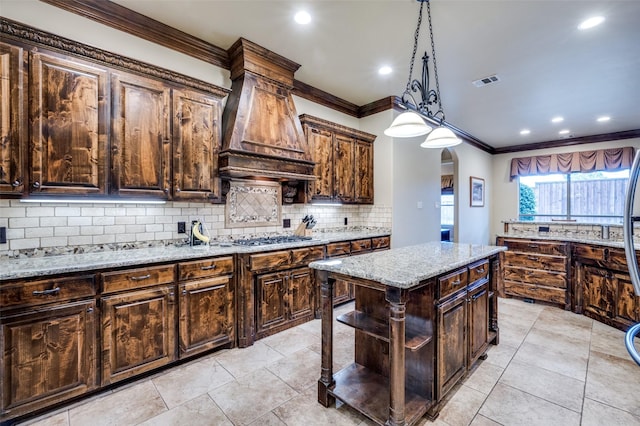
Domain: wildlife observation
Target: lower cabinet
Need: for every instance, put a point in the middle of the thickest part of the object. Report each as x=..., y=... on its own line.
x=283, y=297
x=478, y=303
x=48, y=356
x=452, y=342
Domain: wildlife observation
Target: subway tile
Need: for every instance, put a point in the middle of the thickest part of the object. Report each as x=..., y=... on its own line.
x=125, y=220
x=103, y=220
x=92, y=211
x=12, y=212
x=104, y=239
x=79, y=221
x=66, y=231
x=53, y=221
x=24, y=243
x=40, y=211
x=31, y=222
x=92, y=230
x=38, y=232
x=53, y=242
x=80, y=240
x=67, y=211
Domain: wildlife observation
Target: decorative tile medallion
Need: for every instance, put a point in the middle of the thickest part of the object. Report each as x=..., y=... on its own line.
x=251, y=203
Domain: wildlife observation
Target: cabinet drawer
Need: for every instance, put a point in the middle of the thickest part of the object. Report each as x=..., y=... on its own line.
x=304, y=256
x=536, y=276
x=478, y=271
x=542, y=293
x=452, y=282
x=612, y=258
x=535, y=261
x=269, y=260
x=338, y=249
x=205, y=268
x=32, y=293
x=379, y=243
x=137, y=278
x=537, y=246
x=358, y=246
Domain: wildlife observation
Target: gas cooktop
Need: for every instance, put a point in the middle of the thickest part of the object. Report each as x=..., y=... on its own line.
x=282, y=239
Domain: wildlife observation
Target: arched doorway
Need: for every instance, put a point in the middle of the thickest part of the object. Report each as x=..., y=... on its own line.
x=448, y=196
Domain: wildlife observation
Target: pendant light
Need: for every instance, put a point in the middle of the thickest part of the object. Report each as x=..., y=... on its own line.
x=411, y=123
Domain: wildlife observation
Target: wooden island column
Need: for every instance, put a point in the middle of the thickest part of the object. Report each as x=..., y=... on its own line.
x=401, y=301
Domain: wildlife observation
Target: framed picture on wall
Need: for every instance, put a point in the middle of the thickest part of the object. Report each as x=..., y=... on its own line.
x=477, y=192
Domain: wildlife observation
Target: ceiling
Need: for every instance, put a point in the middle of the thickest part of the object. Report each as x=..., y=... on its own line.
x=547, y=67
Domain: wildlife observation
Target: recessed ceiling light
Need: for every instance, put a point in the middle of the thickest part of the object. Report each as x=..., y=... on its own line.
x=557, y=119
x=384, y=70
x=563, y=132
x=302, y=17
x=591, y=22
x=604, y=118
x=525, y=131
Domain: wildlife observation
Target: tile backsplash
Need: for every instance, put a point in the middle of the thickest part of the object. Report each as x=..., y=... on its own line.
x=586, y=231
x=49, y=226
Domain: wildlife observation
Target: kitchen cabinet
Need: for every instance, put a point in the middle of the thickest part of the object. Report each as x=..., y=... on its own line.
x=48, y=342
x=196, y=146
x=536, y=270
x=604, y=290
x=277, y=291
x=69, y=118
x=13, y=123
x=138, y=321
x=344, y=162
x=140, y=144
x=206, y=295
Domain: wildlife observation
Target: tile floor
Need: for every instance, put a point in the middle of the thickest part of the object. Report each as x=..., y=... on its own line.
x=552, y=367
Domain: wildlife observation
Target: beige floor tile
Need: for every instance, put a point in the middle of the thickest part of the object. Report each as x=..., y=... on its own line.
x=127, y=406
x=201, y=411
x=304, y=410
x=519, y=307
x=510, y=406
x=546, y=356
x=240, y=362
x=609, y=340
x=57, y=419
x=252, y=396
x=614, y=381
x=314, y=327
x=299, y=369
x=565, y=323
x=553, y=387
x=501, y=354
x=462, y=407
x=184, y=383
x=292, y=340
x=597, y=414
x=268, y=419
x=484, y=377
x=513, y=334
x=565, y=343
x=480, y=420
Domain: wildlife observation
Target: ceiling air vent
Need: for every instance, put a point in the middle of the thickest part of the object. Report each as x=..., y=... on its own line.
x=486, y=80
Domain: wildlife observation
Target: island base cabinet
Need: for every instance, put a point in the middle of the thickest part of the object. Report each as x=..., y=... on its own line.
x=452, y=343
x=478, y=314
x=48, y=356
x=138, y=332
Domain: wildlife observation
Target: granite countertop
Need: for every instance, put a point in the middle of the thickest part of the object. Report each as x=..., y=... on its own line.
x=406, y=267
x=568, y=238
x=68, y=263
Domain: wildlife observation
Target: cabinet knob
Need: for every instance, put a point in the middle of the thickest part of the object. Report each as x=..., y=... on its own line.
x=36, y=184
x=166, y=190
x=177, y=189
x=16, y=183
x=184, y=292
x=89, y=310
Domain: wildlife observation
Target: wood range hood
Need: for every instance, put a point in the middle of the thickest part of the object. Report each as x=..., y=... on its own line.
x=262, y=137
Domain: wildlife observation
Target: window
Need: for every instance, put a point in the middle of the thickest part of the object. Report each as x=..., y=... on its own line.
x=446, y=209
x=583, y=197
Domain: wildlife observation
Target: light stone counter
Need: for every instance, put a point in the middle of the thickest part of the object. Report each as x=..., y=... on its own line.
x=406, y=267
x=567, y=238
x=67, y=263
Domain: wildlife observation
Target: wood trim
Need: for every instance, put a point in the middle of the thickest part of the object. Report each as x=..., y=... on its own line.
x=321, y=97
x=25, y=34
x=334, y=127
x=123, y=19
x=376, y=106
x=605, y=137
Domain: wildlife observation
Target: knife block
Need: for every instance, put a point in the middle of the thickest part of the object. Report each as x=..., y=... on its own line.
x=300, y=230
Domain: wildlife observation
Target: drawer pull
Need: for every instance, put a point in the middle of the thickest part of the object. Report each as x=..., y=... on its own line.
x=480, y=270
x=46, y=292
x=456, y=282
x=141, y=277
x=207, y=268
x=534, y=258
x=533, y=246
x=89, y=310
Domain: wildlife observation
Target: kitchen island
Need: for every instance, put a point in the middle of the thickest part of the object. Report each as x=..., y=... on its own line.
x=423, y=315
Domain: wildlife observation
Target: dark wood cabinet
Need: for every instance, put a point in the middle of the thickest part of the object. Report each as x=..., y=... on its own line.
x=140, y=139
x=344, y=162
x=13, y=125
x=206, y=295
x=301, y=287
x=48, y=342
x=69, y=117
x=537, y=270
x=452, y=342
x=196, y=146
x=478, y=326
x=138, y=321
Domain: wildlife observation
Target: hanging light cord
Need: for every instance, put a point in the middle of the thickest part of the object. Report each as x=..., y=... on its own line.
x=433, y=55
x=415, y=44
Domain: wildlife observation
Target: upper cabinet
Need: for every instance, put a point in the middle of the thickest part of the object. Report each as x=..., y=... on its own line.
x=80, y=121
x=69, y=123
x=196, y=146
x=140, y=144
x=344, y=162
x=13, y=132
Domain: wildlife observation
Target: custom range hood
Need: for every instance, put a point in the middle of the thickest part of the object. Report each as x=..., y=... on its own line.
x=262, y=137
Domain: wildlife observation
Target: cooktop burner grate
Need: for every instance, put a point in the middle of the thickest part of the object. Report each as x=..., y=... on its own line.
x=272, y=240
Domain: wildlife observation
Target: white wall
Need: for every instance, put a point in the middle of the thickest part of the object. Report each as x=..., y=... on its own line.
x=504, y=192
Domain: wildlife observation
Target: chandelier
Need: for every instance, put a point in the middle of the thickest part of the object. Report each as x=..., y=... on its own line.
x=411, y=123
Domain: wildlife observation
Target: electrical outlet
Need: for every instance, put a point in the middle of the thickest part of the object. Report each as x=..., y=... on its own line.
x=286, y=223
x=182, y=228
x=3, y=235
x=346, y=221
